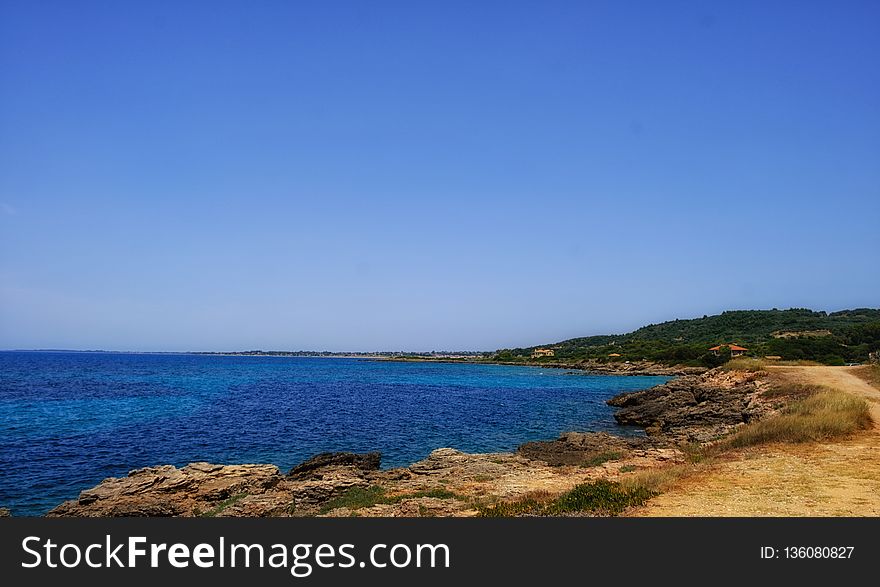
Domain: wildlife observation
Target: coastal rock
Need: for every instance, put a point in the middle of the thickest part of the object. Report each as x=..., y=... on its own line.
x=446, y=483
x=309, y=469
x=5, y=513
x=448, y=463
x=169, y=491
x=695, y=407
x=438, y=461
x=205, y=489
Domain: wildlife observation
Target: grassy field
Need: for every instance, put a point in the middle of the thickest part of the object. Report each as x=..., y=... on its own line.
x=822, y=416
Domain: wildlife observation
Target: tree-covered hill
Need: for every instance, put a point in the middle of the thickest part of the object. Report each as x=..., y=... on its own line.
x=794, y=334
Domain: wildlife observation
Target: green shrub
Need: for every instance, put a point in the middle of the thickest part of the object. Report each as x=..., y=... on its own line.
x=602, y=457
x=216, y=510
x=601, y=497
x=716, y=360
x=356, y=498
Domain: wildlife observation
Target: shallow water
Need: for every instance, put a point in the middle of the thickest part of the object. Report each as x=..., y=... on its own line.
x=68, y=420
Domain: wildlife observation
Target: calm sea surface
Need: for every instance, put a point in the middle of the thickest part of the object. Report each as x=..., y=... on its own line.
x=68, y=420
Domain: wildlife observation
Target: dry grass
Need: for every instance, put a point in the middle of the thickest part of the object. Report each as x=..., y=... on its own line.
x=870, y=373
x=659, y=479
x=798, y=363
x=759, y=365
x=791, y=391
x=823, y=415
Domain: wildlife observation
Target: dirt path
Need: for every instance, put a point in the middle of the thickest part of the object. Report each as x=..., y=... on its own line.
x=834, y=479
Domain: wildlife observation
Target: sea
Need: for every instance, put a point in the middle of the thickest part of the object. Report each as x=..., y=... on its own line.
x=71, y=419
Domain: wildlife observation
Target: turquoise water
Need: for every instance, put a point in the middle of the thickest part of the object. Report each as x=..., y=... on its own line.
x=68, y=420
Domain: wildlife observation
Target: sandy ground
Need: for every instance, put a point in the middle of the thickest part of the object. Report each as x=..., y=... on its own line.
x=835, y=479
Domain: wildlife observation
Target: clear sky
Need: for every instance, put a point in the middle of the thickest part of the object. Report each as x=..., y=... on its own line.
x=429, y=175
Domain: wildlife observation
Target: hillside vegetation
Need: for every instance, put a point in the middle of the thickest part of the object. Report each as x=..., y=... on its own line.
x=796, y=334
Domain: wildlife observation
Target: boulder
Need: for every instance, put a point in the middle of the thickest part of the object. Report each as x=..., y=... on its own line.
x=312, y=467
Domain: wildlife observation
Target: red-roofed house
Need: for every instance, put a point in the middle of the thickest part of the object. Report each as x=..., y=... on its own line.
x=735, y=351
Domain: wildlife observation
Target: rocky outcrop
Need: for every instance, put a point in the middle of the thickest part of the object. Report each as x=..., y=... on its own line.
x=169, y=491
x=204, y=489
x=365, y=462
x=446, y=483
x=695, y=407
x=447, y=464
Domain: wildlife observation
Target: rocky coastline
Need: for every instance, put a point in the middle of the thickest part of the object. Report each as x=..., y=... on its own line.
x=585, y=366
x=589, y=366
x=693, y=407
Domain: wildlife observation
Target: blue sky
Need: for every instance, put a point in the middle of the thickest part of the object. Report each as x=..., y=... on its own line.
x=429, y=175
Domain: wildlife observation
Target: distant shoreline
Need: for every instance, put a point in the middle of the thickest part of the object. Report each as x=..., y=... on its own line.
x=599, y=368
x=611, y=368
